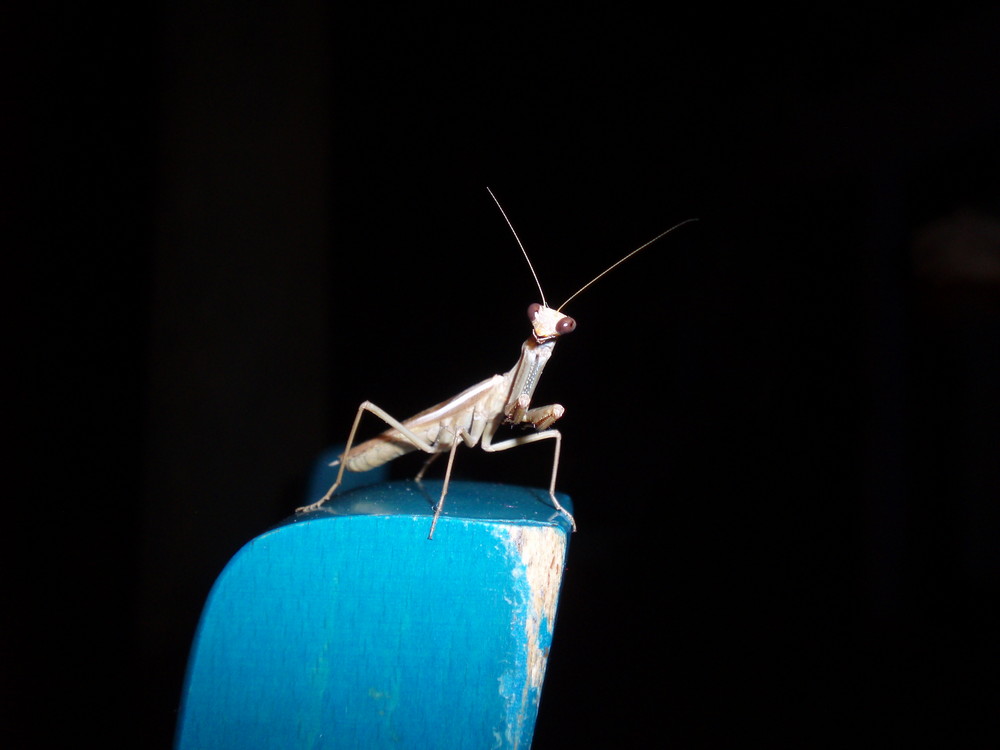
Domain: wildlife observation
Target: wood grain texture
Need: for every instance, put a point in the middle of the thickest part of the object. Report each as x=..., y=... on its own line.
x=347, y=627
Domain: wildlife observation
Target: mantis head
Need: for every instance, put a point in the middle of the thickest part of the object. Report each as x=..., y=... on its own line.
x=547, y=323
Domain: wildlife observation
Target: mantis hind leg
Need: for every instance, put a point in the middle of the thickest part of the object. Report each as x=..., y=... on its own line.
x=382, y=414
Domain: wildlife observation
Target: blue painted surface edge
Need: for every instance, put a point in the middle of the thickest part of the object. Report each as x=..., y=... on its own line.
x=475, y=507
x=467, y=500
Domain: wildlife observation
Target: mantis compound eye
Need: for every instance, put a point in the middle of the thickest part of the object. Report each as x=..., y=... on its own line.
x=533, y=309
x=566, y=325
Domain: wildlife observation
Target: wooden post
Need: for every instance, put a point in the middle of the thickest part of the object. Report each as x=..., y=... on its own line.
x=347, y=627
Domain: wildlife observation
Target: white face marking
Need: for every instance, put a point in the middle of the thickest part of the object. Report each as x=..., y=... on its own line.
x=545, y=323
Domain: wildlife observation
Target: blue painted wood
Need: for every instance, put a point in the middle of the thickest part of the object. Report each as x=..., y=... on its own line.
x=347, y=627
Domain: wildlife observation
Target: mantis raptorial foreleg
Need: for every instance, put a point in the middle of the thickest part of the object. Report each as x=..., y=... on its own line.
x=543, y=417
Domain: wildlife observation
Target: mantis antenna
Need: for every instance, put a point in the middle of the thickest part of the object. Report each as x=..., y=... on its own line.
x=514, y=232
x=618, y=263
x=602, y=273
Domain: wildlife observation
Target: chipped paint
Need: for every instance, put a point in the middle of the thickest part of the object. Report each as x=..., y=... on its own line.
x=540, y=552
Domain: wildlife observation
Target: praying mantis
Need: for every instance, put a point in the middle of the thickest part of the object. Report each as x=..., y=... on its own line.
x=476, y=414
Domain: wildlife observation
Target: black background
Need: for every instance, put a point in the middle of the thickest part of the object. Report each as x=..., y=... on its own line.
x=782, y=421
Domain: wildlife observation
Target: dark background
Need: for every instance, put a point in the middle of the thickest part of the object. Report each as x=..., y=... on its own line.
x=782, y=421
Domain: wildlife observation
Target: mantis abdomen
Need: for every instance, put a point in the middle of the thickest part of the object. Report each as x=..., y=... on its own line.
x=461, y=418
